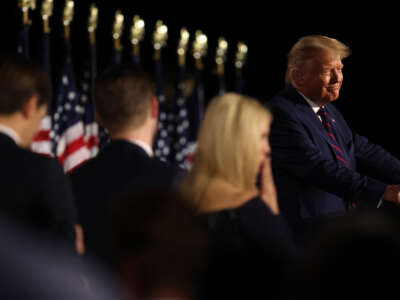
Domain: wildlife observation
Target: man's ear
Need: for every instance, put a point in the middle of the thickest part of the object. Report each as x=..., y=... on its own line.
x=154, y=107
x=298, y=77
x=30, y=107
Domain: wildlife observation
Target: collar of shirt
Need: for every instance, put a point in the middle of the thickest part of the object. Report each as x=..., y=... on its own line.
x=144, y=146
x=313, y=105
x=10, y=133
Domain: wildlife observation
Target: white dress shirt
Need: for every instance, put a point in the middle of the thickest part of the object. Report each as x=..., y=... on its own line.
x=10, y=133
x=143, y=145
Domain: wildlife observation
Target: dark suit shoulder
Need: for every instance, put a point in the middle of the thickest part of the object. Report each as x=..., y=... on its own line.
x=122, y=161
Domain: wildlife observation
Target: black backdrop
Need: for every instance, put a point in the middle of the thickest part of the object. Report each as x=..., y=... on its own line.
x=369, y=94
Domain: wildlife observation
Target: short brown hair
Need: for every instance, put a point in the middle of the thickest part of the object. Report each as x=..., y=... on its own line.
x=123, y=97
x=310, y=46
x=20, y=80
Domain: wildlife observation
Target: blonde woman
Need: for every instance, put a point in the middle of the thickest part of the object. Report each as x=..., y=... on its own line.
x=232, y=148
x=241, y=212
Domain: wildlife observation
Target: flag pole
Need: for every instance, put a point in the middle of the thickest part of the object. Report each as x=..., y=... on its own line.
x=220, y=58
x=137, y=35
x=240, y=60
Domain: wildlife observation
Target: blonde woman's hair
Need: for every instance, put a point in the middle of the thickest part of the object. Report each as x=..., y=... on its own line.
x=310, y=46
x=228, y=144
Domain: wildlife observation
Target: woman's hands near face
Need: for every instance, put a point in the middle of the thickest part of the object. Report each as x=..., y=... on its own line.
x=268, y=190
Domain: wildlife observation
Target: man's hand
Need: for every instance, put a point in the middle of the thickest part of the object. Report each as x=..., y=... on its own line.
x=392, y=194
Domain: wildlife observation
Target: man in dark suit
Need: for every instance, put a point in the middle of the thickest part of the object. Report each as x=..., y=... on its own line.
x=126, y=105
x=321, y=167
x=34, y=189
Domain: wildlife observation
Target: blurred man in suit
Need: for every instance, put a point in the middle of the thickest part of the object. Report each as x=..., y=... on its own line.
x=322, y=168
x=160, y=245
x=34, y=189
x=126, y=105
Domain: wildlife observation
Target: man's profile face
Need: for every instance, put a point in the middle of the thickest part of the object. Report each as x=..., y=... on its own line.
x=322, y=78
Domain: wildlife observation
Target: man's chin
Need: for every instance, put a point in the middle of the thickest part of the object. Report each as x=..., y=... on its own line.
x=333, y=97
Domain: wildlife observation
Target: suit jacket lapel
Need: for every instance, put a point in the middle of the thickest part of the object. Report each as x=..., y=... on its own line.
x=307, y=113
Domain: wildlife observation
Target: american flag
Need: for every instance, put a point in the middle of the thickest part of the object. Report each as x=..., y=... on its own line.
x=68, y=129
x=162, y=143
x=86, y=101
x=42, y=141
x=195, y=109
x=182, y=132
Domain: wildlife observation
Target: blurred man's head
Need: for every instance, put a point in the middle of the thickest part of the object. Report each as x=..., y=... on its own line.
x=159, y=243
x=125, y=99
x=25, y=93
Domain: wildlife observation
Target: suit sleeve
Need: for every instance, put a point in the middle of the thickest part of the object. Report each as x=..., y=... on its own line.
x=295, y=153
x=58, y=199
x=376, y=161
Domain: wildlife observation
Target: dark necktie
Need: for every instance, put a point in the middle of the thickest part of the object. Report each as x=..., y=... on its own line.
x=331, y=132
x=339, y=153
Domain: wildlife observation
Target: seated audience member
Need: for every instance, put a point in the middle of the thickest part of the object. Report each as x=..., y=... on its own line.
x=250, y=246
x=160, y=245
x=127, y=106
x=353, y=257
x=35, y=190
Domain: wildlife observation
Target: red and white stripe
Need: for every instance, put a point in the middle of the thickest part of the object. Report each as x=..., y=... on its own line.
x=92, y=138
x=42, y=141
x=72, y=150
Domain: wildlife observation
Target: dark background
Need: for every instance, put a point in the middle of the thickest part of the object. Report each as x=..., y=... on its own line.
x=369, y=94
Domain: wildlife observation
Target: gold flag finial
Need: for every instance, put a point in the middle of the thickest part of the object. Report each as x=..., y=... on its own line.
x=137, y=30
x=160, y=35
x=183, y=45
x=25, y=6
x=47, y=9
x=68, y=12
x=220, y=56
x=241, y=55
x=47, y=12
x=222, y=49
x=93, y=18
x=137, y=34
x=68, y=16
x=200, y=45
x=92, y=23
x=118, y=28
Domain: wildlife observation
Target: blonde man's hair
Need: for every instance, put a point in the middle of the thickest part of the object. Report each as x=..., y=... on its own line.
x=310, y=46
x=228, y=144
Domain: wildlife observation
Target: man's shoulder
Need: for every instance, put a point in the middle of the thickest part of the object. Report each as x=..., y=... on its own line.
x=285, y=98
x=166, y=167
x=31, y=160
x=123, y=160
